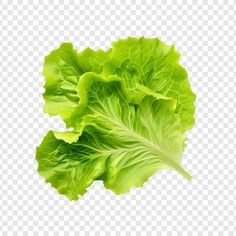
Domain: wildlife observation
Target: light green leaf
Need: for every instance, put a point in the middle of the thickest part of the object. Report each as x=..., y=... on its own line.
x=153, y=64
x=62, y=73
x=62, y=70
x=119, y=140
x=69, y=169
x=129, y=108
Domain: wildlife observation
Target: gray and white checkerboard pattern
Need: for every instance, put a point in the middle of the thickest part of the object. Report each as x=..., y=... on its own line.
x=205, y=33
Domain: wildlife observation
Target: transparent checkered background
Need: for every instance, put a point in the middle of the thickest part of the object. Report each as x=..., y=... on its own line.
x=205, y=33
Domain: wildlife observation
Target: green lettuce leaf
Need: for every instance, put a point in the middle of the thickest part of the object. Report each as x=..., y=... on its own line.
x=139, y=61
x=152, y=63
x=62, y=70
x=67, y=167
x=129, y=108
x=119, y=139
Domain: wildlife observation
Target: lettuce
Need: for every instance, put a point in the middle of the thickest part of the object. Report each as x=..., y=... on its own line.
x=129, y=108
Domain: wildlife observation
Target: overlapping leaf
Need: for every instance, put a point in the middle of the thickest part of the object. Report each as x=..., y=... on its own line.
x=154, y=64
x=62, y=71
x=129, y=108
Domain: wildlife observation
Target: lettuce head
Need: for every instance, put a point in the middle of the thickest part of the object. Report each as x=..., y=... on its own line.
x=129, y=108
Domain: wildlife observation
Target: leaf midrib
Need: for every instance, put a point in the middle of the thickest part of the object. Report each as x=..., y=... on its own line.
x=169, y=161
